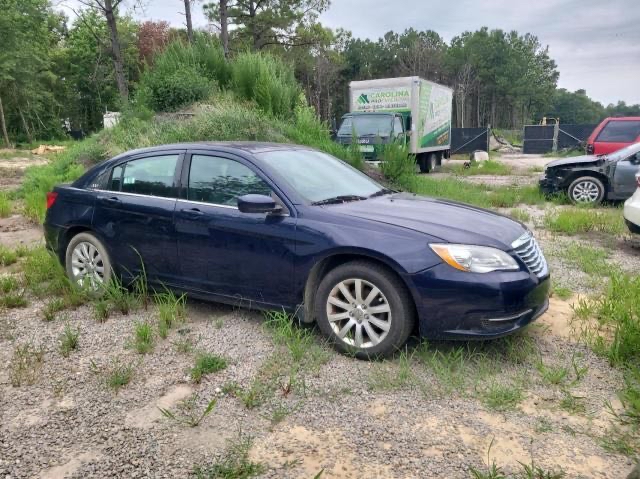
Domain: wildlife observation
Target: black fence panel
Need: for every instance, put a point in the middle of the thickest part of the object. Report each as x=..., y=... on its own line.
x=468, y=140
x=539, y=139
x=570, y=136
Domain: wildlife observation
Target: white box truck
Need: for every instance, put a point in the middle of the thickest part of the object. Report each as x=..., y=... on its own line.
x=407, y=109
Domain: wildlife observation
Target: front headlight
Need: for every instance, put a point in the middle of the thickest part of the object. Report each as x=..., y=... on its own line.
x=475, y=259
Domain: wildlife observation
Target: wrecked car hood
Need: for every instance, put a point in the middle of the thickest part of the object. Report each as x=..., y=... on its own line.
x=575, y=160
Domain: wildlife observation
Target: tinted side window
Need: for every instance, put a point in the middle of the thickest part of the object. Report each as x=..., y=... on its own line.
x=220, y=181
x=397, y=125
x=116, y=178
x=620, y=131
x=146, y=176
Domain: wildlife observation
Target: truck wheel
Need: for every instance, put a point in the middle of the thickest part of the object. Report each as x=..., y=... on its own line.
x=586, y=189
x=432, y=162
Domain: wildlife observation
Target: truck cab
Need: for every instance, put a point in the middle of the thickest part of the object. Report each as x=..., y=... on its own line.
x=372, y=128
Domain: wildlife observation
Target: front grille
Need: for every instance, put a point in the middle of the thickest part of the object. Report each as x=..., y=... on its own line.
x=528, y=250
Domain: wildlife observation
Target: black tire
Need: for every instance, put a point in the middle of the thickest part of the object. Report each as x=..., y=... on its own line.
x=102, y=260
x=432, y=162
x=402, y=315
x=586, y=189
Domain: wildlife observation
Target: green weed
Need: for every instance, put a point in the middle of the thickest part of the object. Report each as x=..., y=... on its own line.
x=115, y=375
x=101, y=310
x=13, y=300
x=171, y=309
x=52, y=307
x=69, y=340
x=207, y=363
x=5, y=205
x=502, y=397
x=555, y=375
x=7, y=256
x=520, y=215
x=234, y=463
x=187, y=412
x=25, y=364
x=576, y=220
x=143, y=341
x=8, y=284
x=562, y=292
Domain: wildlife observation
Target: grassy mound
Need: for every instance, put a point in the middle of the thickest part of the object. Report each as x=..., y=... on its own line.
x=222, y=118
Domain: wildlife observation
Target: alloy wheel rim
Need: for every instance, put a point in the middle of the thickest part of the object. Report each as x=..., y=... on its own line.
x=87, y=265
x=586, y=192
x=359, y=313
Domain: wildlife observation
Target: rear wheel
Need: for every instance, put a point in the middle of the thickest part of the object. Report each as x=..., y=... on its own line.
x=586, y=189
x=364, y=309
x=87, y=262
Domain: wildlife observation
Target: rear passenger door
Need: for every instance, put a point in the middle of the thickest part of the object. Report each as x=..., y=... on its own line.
x=134, y=214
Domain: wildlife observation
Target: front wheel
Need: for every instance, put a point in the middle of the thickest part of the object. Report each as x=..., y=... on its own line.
x=586, y=189
x=87, y=262
x=364, y=310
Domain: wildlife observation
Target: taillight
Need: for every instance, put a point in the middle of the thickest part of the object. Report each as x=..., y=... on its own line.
x=51, y=198
x=638, y=181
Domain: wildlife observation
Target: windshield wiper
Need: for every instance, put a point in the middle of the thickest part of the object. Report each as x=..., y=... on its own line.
x=339, y=199
x=382, y=192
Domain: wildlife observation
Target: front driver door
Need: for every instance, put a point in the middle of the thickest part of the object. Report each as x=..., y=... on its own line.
x=240, y=257
x=624, y=178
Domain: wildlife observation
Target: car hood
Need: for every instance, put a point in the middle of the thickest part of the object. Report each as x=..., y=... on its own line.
x=446, y=221
x=575, y=160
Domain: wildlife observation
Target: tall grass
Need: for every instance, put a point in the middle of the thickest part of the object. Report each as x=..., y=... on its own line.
x=398, y=165
x=616, y=334
x=266, y=80
x=476, y=194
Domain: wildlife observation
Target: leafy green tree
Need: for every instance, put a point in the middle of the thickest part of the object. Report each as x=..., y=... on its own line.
x=259, y=24
x=90, y=87
x=575, y=107
x=27, y=35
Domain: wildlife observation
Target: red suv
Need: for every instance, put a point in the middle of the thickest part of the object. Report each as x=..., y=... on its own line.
x=613, y=134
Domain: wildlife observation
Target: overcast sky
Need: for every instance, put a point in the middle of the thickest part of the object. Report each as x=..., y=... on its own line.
x=596, y=43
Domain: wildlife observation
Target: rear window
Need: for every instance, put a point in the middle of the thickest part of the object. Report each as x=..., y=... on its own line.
x=620, y=131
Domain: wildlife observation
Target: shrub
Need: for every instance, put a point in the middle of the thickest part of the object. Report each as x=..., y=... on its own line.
x=267, y=81
x=170, y=90
x=182, y=74
x=398, y=165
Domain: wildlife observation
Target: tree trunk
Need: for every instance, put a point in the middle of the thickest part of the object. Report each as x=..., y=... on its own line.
x=25, y=126
x=187, y=14
x=5, y=135
x=224, y=27
x=254, y=27
x=116, y=53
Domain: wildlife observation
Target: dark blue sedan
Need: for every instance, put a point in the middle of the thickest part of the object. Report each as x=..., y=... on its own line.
x=287, y=227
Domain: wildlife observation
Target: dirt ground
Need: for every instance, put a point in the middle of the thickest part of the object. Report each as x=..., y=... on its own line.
x=349, y=418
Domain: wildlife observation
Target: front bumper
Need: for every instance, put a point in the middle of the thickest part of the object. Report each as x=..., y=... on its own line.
x=549, y=186
x=453, y=304
x=632, y=212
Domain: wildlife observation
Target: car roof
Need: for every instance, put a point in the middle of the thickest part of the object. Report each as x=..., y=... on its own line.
x=623, y=118
x=230, y=146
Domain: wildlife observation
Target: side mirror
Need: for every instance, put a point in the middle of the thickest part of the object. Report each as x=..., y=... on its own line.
x=257, y=204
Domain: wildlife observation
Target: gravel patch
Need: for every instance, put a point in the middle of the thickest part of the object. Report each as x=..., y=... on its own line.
x=347, y=421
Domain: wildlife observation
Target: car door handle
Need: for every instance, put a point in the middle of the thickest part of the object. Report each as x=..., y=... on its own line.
x=191, y=212
x=109, y=199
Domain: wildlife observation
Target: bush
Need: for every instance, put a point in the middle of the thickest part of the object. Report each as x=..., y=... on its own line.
x=170, y=90
x=182, y=74
x=267, y=81
x=398, y=165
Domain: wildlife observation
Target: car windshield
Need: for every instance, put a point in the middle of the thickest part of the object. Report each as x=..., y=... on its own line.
x=319, y=177
x=625, y=152
x=366, y=125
